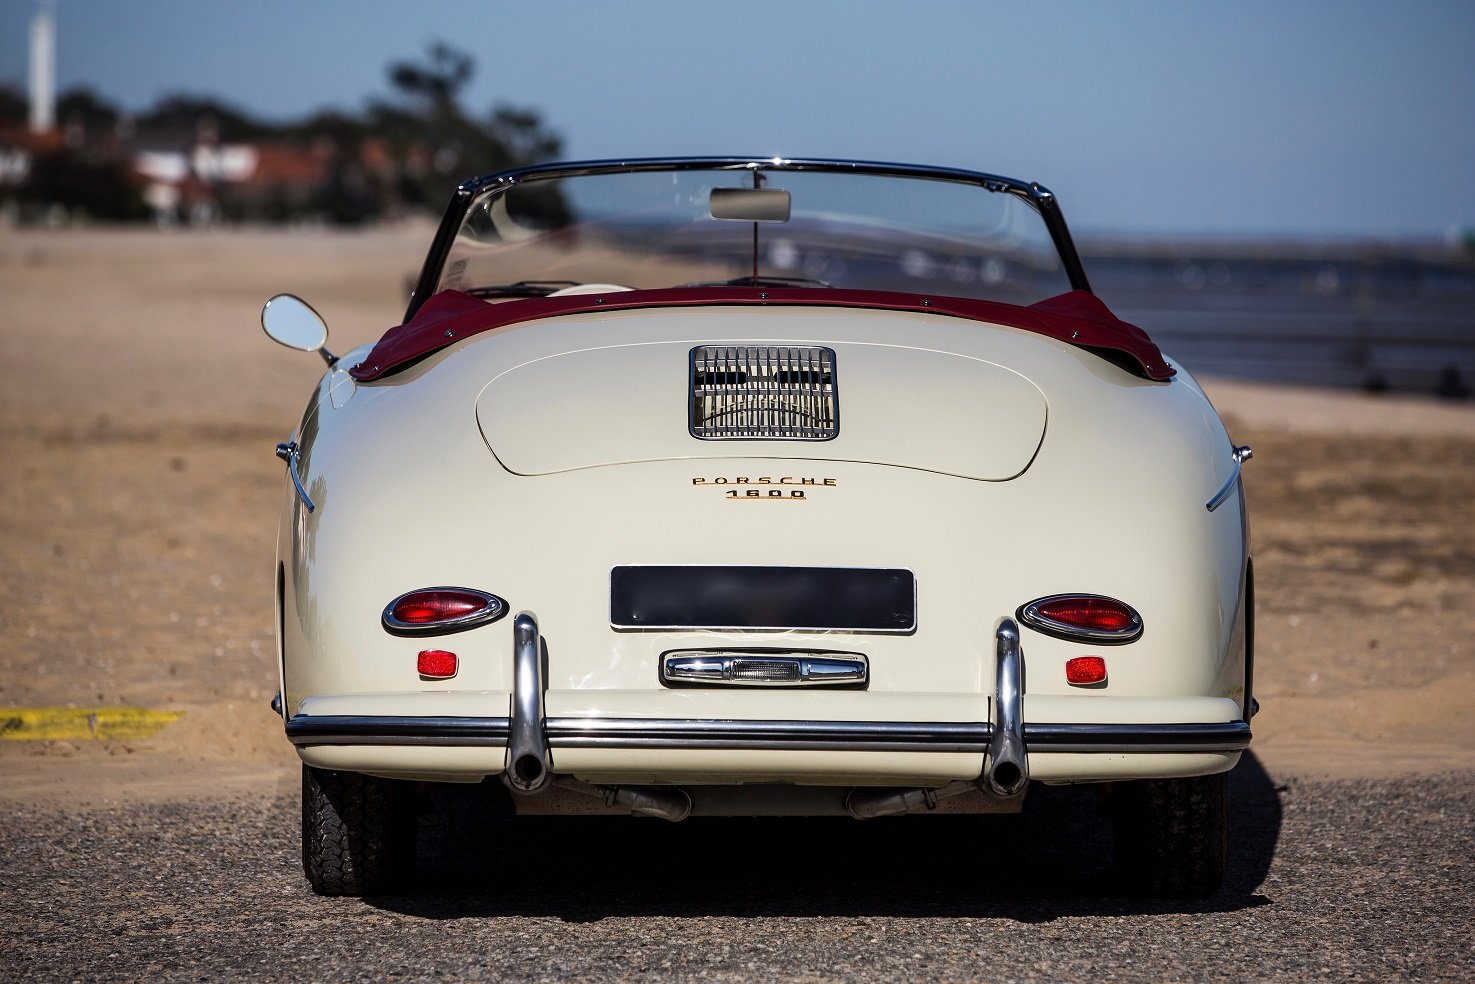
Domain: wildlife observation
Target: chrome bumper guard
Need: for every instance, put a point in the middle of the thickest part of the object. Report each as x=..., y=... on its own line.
x=1007, y=773
x=529, y=766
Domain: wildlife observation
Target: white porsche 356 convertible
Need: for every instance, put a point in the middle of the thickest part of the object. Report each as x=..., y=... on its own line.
x=739, y=487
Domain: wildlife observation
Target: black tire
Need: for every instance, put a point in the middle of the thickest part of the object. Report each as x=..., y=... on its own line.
x=1171, y=835
x=358, y=832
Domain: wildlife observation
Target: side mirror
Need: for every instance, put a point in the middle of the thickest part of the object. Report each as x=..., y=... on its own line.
x=289, y=320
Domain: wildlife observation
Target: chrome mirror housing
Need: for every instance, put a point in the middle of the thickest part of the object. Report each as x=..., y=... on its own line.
x=289, y=320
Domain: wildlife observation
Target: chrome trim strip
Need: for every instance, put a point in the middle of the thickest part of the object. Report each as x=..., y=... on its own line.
x=1008, y=759
x=491, y=610
x=759, y=668
x=1030, y=615
x=816, y=735
x=1241, y=453
x=1229, y=736
x=289, y=452
x=351, y=729
x=528, y=765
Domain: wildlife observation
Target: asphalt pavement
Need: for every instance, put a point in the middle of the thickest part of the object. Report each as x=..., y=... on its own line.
x=1330, y=880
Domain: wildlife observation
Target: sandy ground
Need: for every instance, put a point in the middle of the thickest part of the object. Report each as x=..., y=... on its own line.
x=141, y=404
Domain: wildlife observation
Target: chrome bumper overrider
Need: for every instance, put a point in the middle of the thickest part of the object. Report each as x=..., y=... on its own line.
x=1008, y=762
x=529, y=767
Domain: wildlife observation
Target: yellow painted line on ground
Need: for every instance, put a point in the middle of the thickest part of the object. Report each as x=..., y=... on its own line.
x=74, y=723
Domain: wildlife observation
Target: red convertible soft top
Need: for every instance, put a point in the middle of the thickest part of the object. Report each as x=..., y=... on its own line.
x=1078, y=317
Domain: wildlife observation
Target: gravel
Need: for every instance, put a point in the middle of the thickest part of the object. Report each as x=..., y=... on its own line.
x=1340, y=880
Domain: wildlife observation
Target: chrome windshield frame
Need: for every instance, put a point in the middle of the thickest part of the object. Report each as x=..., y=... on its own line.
x=1038, y=197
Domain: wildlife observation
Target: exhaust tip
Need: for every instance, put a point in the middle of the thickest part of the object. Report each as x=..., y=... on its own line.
x=1007, y=778
x=675, y=807
x=669, y=803
x=528, y=773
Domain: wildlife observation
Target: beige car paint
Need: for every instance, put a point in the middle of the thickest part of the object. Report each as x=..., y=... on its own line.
x=938, y=470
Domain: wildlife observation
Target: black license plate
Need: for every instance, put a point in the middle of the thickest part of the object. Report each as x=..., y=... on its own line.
x=854, y=599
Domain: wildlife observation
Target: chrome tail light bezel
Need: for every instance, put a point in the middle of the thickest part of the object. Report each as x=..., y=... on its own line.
x=492, y=608
x=1031, y=616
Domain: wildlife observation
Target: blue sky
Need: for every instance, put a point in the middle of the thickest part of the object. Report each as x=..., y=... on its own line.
x=1193, y=118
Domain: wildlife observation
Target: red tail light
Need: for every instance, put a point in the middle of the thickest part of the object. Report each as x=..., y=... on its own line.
x=1092, y=618
x=435, y=611
x=1096, y=614
x=1085, y=670
x=435, y=606
x=437, y=664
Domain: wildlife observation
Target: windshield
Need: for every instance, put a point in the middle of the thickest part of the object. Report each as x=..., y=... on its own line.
x=766, y=227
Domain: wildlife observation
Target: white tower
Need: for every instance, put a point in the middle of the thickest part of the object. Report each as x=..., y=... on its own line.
x=43, y=71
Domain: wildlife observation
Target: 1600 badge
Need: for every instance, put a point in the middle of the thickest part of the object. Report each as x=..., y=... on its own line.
x=765, y=490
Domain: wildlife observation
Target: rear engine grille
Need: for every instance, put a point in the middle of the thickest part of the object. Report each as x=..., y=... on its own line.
x=769, y=392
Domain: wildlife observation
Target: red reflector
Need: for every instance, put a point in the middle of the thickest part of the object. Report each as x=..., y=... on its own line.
x=1085, y=670
x=1098, y=614
x=436, y=663
x=429, y=607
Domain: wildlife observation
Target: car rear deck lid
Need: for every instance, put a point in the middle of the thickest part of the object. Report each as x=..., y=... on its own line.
x=621, y=404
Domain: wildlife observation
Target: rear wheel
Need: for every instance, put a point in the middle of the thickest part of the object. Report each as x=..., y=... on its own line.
x=1171, y=835
x=358, y=832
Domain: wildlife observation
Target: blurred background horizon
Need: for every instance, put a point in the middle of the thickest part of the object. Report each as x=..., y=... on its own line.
x=1306, y=168
x=1317, y=119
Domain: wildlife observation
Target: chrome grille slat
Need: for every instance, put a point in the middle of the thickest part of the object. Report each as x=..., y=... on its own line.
x=786, y=393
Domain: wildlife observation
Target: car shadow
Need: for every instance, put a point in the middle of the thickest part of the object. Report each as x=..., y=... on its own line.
x=1052, y=860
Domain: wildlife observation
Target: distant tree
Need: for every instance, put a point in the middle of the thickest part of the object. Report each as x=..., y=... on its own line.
x=84, y=106
x=187, y=112
x=100, y=189
x=522, y=132
x=329, y=124
x=437, y=82
x=14, y=110
x=407, y=149
x=438, y=141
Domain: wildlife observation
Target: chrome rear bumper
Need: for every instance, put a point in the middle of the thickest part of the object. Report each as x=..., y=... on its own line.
x=857, y=736
x=531, y=737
